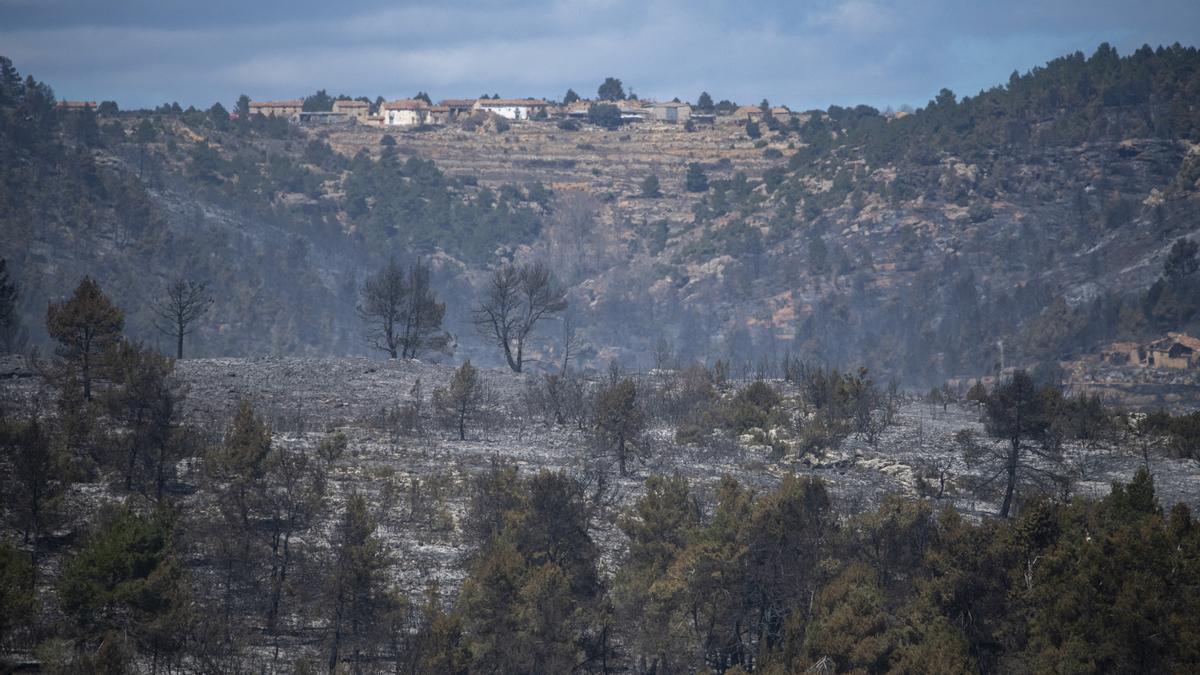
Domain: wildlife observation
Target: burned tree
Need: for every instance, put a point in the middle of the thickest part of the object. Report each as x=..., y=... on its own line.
x=12, y=335
x=1018, y=413
x=462, y=400
x=402, y=313
x=179, y=308
x=517, y=298
x=382, y=308
x=145, y=398
x=422, y=315
x=619, y=421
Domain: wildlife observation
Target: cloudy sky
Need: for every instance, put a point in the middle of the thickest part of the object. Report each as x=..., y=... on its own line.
x=805, y=54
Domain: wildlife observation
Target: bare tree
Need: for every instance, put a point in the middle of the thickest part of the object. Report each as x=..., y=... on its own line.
x=517, y=298
x=422, y=316
x=384, y=297
x=402, y=314
x=571, y=342
x=183, y=303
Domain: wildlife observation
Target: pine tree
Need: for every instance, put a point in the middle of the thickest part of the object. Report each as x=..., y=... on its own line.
x=85, y=326
x=12, y=334
x=696, y=180
x=619, y=422
x=354, y=591
x=461, y=401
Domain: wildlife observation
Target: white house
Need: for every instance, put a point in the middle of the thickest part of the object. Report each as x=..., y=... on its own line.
x=405, y=113
x=513, y=108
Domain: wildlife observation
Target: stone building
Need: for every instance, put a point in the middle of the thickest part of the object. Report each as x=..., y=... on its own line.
x=285, y=108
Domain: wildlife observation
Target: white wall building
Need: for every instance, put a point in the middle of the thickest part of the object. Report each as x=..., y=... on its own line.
x=513, y=108
x=404, y=113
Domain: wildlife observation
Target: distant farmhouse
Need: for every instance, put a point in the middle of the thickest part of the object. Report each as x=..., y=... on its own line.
x=457, y=108
x=359, y=110
x=277, y=108
x=409, y=112
x=1176, y=351
x=746, y=113
x=77, y=105
x=514, y=108
x=323, y=118
x=671, y=111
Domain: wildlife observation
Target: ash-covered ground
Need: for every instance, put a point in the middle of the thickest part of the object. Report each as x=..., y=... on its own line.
x=418, y=478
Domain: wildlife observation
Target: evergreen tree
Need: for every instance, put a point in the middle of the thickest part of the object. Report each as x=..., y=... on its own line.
x=604, y=115
x=611, y=90
x=619, y=422
x=18, y=601
x=242, y=108
x=1182, y=261
x=1017, y=413
x=126, y=589
x=318, y=102
x=650, y=187
x=696, y=180
x=12, y=334
x=85, y=326
x=144, y=399
x=354, y=593
x=462, y=400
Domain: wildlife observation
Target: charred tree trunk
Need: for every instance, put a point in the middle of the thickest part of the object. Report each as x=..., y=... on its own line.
x=1011, y=471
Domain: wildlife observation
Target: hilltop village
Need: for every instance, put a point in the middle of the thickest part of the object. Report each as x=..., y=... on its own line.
x=416, y=112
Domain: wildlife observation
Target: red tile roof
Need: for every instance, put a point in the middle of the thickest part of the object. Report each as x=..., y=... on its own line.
x=406, y=104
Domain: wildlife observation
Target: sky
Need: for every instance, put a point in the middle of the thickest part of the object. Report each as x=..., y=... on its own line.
x=802, y=54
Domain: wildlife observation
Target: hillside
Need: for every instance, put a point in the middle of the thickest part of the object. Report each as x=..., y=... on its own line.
x=1021, y=226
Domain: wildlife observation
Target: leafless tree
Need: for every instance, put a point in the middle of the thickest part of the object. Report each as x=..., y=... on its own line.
x=574, y=241
x=402, y=314
x=183, y=303
x=571, y=342
x=516, y=299
x=422, y=316
x=384, y=296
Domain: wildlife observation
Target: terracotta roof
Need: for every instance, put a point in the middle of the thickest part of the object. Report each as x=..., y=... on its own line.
x=289, y=103
x=351, y=104
x=781, y=110
x=458, y=102
x=748, y=110
x=512, y=102
x=1185, y=340
x=406, y=104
